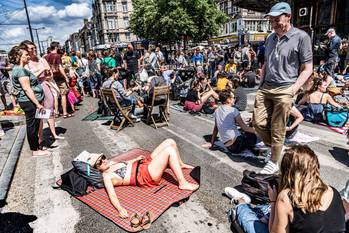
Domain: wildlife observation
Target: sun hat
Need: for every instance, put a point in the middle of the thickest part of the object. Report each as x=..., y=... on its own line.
x=93, y=158
x=279, y=9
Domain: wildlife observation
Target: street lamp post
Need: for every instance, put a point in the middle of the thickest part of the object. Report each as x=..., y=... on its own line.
x=37, y=37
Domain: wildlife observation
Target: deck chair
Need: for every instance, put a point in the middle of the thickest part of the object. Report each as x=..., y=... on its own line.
x=163, y=93
x=120, y=113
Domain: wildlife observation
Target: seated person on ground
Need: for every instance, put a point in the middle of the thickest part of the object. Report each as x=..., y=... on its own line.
x=230, y=68
x=176, y=83
x=315, y=100
x=222, y=80
x=290, y=210
x=251, y=218
x=227, y=120
x=142, y=172
x=293, y=122
x=205, y=84
x=195, y=100
x=240, y=95
x=125, y=97
x=247, y=76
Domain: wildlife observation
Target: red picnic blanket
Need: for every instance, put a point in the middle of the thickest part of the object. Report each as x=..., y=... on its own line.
x=139, y=200
x=341, y=130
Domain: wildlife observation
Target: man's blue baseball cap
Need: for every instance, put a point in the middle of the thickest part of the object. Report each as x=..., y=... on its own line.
x=279, y=9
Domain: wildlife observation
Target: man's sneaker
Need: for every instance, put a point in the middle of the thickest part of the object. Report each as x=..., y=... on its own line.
x=2, y=133
x=235, y=195
x=270, y=168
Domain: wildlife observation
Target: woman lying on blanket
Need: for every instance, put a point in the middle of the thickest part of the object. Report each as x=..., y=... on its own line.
x=142, y=171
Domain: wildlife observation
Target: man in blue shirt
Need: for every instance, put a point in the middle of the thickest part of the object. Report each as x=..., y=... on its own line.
x=332, y=58
x=197, y=58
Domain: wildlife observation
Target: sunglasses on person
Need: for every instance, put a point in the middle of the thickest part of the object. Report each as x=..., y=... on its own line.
x=100, y=160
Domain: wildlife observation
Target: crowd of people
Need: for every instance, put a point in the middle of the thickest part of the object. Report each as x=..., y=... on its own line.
x=212, y=80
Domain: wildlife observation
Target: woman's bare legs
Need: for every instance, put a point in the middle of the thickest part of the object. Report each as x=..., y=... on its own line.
x=207, y=95
x=52, y=125
x=56, y=105
x=166, y=154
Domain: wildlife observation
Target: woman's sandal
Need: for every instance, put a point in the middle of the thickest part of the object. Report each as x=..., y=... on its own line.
x=147, y=220
x=136, y=222
x=67, y=115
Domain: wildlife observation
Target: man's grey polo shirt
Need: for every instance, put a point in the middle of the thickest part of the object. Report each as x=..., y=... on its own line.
x=284, y=57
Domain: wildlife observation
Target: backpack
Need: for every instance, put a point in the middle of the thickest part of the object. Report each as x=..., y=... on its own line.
x=92, y=175
x=73, y=183
x=335, y=117
x=256, y=186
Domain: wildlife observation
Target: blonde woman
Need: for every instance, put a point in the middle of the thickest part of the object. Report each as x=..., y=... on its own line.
x=305, y=203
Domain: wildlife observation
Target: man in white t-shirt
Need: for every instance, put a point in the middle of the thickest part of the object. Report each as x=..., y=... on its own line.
x=227, y=120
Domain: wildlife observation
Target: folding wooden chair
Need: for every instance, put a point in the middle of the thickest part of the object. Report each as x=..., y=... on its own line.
x=120, y=113
x=160, y=98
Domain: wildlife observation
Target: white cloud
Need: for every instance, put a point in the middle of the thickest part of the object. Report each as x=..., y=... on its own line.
x=13, y=33
x=58, y=23
x=75, y=10
x=50, y=14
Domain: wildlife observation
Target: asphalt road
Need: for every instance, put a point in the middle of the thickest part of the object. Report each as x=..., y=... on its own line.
x=33, y=204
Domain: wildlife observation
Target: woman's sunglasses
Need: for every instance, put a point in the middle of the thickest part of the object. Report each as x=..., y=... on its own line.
x=100, y=160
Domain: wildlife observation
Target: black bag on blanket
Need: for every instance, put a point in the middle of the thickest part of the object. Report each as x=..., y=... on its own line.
x=92, y=175
x=73, y=183
x=256, y=186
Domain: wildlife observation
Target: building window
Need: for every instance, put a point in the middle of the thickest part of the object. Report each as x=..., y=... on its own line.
x=233, y=27
x=124, y=7
x=126, y=23
x=109, y=6
x=235, y=10
x=128, y=36
x=112, y=24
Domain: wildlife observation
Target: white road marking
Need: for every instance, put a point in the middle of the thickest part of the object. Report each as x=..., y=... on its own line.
x=52, y=207
x=222, y=159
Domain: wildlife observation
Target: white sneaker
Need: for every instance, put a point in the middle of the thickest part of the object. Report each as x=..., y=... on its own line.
x=270, y=168
x=2, y=133
x=235, y=195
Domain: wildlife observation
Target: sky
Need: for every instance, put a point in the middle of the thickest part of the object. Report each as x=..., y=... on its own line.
x=59, y=17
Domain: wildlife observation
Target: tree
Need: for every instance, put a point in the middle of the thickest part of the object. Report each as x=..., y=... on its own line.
x=168, y=21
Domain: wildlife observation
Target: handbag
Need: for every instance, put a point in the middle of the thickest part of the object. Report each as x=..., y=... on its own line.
x=336, y=117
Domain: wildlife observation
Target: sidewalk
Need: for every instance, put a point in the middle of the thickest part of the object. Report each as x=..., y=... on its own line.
x=10, y=148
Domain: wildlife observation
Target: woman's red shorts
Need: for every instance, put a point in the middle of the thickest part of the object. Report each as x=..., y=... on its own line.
x=142, y=175
x=192, y=106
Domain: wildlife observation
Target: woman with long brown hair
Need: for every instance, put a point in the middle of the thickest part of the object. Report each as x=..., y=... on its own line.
x=304, y=203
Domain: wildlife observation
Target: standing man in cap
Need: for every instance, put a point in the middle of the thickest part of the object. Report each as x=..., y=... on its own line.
x=288, y=65
x=332, y=51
